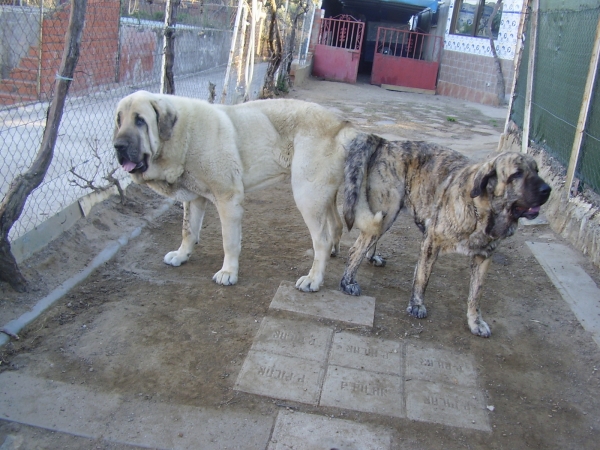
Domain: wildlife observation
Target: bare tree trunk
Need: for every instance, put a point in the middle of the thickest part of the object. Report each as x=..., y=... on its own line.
x=168, y=81
x=12, y=206
x=275, y=53
x=301, y=11
x=500, y=86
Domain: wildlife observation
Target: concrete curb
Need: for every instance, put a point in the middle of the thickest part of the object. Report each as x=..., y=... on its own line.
x=13, y=327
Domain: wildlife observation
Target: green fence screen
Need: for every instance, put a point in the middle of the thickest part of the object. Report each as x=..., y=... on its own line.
x=564, y=48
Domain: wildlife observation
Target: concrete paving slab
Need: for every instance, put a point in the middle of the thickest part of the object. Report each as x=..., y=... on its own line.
x=281, y=377
x=81, y=411
x=359, y=352
x=456, y=406
x=294, y=430
x=577, y=288
x=360, y=390
x=292, y=338
x=328, y=304
x=439, y=366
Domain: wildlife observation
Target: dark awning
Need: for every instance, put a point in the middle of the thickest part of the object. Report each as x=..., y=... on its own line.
x=414, y=6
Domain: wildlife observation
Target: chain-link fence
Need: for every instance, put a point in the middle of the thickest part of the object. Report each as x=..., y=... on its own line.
x=121, y=51
x=565, y=43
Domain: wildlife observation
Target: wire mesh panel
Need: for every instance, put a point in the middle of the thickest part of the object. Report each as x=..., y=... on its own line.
x=564, y=47
x=121, y=51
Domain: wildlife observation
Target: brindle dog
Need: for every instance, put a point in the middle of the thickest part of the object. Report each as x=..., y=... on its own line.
x=460, y=206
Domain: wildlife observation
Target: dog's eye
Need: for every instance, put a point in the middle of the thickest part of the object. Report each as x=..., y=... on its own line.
x=139, y=122
x=119, y=120
x=515, y=176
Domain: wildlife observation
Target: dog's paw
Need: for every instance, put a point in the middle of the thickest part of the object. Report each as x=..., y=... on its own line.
x=350, y=288
x=307, y=284
x=480, y=328
x=225, y=278
x=175, y=258
x=418, y=311
x=377, y=261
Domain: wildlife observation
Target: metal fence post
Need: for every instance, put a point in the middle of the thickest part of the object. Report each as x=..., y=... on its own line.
x=238, y=16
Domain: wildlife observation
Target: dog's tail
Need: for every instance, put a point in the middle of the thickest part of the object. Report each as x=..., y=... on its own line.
x=359, y=153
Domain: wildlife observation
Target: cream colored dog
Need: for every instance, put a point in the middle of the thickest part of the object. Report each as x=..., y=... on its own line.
x=197, y=152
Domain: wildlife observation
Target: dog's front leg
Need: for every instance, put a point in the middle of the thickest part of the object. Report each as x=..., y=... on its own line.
x=479, y=267
x=193, y=215
x=348, y=284
x=230, y=213
x=427, y=258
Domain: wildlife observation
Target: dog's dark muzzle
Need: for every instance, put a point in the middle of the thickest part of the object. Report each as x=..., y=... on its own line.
x=129, y=157
x=530, y=212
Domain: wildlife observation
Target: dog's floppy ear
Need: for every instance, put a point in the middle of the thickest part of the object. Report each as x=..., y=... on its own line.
x=166, y=117
x=483, y=175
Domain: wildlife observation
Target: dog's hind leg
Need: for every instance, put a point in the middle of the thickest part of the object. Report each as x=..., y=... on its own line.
x=374, y=258
x=193, y=215
x=479, y=267
x=311, y=204
x=336, y=227
x=348, y=284
x=427, y=257
x=322, y=244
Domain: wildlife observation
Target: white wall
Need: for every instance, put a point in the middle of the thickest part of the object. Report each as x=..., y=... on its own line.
x=507, y=36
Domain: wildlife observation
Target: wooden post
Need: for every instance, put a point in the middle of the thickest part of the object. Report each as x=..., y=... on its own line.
x=167, y=79
x=530, y=73
x=583, y=112
x=517, y=64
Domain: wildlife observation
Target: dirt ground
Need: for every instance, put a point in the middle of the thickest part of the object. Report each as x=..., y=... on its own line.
x=142, y=329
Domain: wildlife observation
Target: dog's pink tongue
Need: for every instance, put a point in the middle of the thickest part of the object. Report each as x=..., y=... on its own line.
x=535, y=210
x=128, y=166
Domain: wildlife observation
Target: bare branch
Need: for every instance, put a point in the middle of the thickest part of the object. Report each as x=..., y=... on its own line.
x=89, y=183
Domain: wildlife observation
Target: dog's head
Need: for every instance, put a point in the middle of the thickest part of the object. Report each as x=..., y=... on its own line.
x=143, y=121
x=513, y=188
